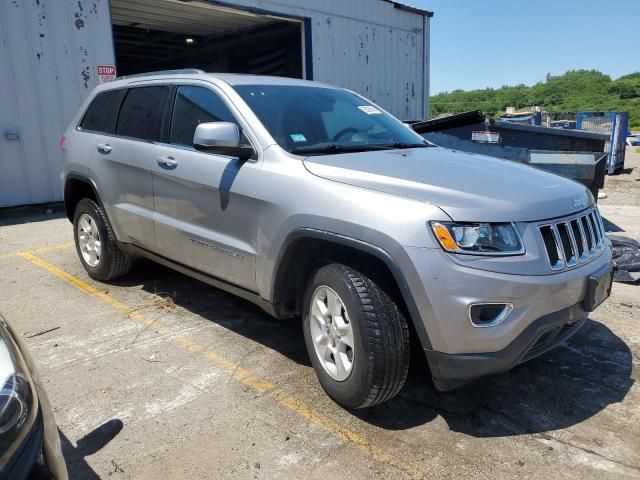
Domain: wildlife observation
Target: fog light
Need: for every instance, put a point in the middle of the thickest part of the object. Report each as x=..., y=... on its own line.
x=489, y=314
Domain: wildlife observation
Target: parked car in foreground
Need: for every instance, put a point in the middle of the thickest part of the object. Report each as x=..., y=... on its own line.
x=29, y=441
x=310, y=200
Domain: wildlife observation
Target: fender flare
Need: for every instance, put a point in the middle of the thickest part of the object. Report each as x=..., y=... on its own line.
x=367, y=248
x=82, y=178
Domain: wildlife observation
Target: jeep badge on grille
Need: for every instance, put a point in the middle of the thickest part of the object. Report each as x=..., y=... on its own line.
x=579, y=203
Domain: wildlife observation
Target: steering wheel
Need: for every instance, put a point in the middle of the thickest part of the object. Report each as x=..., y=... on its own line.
x=343, y=132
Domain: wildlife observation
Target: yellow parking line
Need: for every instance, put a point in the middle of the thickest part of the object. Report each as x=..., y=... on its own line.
x=51, y=248
x=241, y=374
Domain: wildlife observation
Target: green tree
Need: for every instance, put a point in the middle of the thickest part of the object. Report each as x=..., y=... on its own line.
x=576, y=90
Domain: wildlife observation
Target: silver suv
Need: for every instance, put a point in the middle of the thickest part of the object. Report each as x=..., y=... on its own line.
x=311, y=201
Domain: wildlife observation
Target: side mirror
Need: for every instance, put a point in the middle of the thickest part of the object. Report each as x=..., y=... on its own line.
x=222, y=138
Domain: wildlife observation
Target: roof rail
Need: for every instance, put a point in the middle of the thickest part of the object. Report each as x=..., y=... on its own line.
x=165, y=72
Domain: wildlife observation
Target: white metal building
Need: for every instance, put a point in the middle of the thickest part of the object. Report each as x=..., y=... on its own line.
x=52, y=51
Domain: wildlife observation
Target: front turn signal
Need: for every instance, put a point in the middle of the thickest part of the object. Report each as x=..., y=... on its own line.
x=444, y=236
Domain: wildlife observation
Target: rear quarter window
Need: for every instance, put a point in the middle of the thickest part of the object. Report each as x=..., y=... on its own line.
x=102, y=114
x=141, y=113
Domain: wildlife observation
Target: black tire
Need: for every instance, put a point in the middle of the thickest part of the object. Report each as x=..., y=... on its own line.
x=113, y=262
x=381, y=339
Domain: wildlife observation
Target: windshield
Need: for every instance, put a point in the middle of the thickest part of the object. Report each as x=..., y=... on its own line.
x=317, y=120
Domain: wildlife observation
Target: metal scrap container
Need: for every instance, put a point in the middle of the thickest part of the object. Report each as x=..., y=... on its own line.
x=613, y=124
x=575, y=154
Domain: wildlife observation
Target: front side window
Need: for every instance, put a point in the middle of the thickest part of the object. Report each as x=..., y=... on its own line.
x=319, y=120
x=193, y=106
x=102, y=114
x=141, y=113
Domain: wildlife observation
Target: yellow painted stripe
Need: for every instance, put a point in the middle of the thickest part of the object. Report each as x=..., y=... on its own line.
x=241, y=374
x=51, y=248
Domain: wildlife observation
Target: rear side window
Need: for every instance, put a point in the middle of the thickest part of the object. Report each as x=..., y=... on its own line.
x=193, y=106
x=141, y=113
x=102, y=114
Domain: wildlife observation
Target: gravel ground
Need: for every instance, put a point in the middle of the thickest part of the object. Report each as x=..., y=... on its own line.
x=624, y=188
x=159, y=376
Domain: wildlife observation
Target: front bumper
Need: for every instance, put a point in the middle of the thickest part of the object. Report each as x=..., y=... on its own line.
x=27, y=460
x=39, y=453
x=543, y=305
x=451, y=371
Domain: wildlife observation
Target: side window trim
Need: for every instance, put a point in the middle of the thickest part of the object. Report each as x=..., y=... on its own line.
x=167, y=115
x=126, y=94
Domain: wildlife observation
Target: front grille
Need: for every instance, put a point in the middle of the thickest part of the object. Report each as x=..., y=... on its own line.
x=573, y=241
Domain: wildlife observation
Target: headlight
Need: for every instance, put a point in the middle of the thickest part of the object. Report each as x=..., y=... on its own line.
x=479, y=238
x=17, y=402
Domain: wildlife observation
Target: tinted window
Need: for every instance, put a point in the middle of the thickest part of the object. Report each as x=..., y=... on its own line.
x=102, y=114
x=141, y=113
x=195, y=105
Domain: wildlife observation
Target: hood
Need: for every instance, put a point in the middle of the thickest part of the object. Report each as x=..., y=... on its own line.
x=467, y=186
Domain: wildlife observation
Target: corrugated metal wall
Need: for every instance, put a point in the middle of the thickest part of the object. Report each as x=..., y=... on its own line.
x=50, y=49
x=48, y=55
x=368, y=46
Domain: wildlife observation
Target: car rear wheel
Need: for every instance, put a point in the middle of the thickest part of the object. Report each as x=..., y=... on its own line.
x=95, y=243
x=356, y=336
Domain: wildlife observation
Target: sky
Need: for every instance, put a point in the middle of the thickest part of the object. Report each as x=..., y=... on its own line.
x=491, y=43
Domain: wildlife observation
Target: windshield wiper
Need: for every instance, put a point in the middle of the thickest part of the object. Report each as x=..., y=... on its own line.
x=408, y=145
x=334, y=148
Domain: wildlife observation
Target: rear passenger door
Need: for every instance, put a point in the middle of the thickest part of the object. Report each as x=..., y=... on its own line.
x=205, y=203
x=124, y=161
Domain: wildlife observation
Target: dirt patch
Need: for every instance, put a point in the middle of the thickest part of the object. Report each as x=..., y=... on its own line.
x=624, y=188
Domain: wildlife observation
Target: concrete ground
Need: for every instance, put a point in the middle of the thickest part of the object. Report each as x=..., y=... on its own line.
x=159, y=376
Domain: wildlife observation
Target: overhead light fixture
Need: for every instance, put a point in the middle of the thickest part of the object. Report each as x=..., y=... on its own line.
x=189, y=41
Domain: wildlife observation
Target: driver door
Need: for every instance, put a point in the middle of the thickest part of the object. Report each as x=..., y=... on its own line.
x=206, y=211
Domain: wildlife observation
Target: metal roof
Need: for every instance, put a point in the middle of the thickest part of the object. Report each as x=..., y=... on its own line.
x=183, y=17
x=191, y=17
x=410, y=8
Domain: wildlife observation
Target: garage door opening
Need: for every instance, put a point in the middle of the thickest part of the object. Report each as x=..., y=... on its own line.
x=152, y=35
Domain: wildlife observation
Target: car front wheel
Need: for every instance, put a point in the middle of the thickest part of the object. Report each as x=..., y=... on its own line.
x=356, y=336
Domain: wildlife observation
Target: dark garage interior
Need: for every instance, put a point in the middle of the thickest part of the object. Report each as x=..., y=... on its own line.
x=197, y=34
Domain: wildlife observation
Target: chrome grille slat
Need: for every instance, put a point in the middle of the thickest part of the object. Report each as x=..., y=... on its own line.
x=596, y=228
x=593, y=234
x=575, y=240
x=554, y=257
x=584, y=238
x=571, y=258
x=582, y=254
x=600, y=223
x=589, y=231
x=560, y=250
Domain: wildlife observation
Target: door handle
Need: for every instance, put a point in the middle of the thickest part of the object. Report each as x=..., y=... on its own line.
x=168, y=162
x=104, y=147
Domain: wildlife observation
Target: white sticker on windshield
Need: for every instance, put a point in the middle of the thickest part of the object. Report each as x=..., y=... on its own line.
x=298, y=137
x=369, y=110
